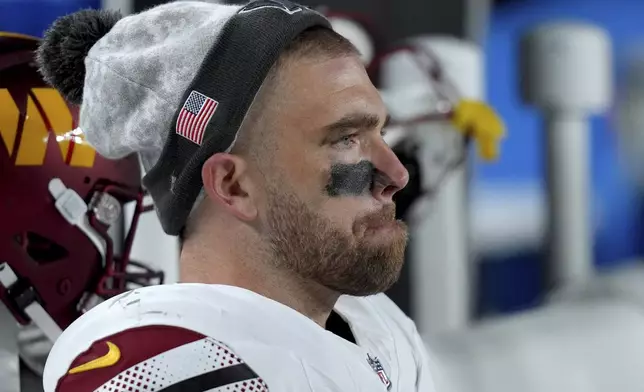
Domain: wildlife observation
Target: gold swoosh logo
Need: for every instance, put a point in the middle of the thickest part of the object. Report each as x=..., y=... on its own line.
x=111, y=358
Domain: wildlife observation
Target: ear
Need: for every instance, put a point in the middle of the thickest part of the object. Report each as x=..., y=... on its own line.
x=226, y=182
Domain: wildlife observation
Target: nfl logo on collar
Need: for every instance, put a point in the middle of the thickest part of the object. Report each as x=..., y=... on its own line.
x=380, y=371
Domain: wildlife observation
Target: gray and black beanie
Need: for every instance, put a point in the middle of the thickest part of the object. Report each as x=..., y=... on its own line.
x=172, y=83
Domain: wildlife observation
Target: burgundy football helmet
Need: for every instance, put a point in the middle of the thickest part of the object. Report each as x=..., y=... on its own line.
x=59, y=199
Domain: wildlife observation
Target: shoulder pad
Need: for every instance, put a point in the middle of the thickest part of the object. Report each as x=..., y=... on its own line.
x=180, y=333
x=154, y=358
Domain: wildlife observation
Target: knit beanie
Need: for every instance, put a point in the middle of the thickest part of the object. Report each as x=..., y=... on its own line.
x=172, y=83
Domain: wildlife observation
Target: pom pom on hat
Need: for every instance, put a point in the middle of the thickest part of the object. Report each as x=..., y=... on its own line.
x=61, y=54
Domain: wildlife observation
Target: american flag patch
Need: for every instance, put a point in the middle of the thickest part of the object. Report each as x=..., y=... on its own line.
x=194, y=116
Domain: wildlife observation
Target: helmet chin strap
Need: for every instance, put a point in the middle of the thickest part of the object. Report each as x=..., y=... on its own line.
x=26, y=300
x=74, y=209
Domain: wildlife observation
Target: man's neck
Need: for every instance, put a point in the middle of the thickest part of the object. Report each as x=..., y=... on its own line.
x=307, y=297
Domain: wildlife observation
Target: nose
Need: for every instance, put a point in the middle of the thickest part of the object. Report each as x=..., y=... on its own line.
x=391, y=174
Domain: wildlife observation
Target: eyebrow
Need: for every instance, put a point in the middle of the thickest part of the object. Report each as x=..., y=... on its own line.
x=362, y=121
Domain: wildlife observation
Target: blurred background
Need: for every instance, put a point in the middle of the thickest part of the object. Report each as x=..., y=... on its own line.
x=524, y=273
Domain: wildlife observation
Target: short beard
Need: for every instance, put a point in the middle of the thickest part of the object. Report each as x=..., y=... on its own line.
x=308, y=244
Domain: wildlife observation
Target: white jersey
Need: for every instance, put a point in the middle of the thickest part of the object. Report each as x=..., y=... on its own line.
x=197, y=338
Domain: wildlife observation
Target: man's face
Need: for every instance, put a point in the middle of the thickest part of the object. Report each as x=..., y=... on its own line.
x=329, y=212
